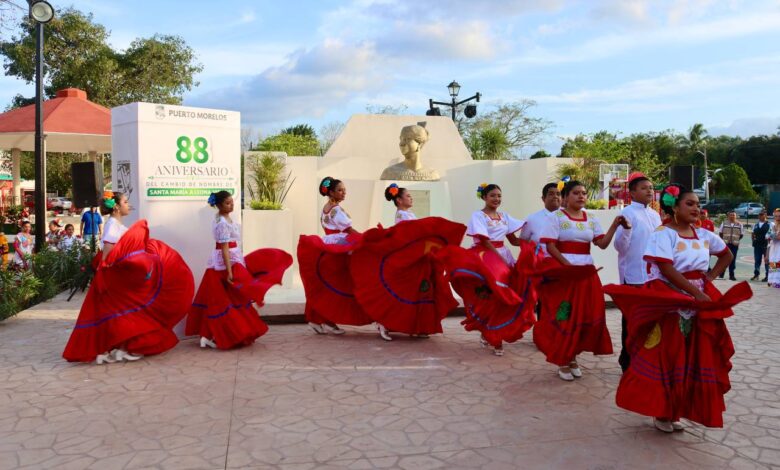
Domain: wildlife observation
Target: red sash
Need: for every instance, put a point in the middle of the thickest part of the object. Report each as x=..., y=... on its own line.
x=573, y=248
x=218, y=246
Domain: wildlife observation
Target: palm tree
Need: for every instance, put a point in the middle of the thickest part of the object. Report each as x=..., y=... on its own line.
x=697, y=137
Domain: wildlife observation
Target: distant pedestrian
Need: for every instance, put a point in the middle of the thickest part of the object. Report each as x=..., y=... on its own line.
x=731, y=233
x=760, y=242
x=4, y=250
x=23, y=245
x=705, y=222
x=91, y=226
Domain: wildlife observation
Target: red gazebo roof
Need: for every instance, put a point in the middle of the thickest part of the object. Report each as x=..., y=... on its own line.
x=71, y=123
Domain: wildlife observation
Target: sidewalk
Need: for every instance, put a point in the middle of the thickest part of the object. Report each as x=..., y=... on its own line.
x=296, y=400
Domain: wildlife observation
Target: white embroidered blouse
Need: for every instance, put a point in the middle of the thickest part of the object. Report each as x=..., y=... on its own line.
x=686, y=254
x=225, y=232
x=402, y=215
x=573, y=236
x=336, y=222
x=113, y=230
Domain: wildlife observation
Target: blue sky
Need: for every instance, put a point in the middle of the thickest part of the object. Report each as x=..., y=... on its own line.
x=619, y=65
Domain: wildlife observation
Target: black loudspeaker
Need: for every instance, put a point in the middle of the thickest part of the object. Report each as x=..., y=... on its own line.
x=681, y=174
x=87, y=183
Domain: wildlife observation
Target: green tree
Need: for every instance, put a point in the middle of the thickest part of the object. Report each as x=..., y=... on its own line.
x=291, y=144
x=158, y=69
x=540, y=154
x=489, y=143
x=733, y=181
x=514, y=121
x=303, y=130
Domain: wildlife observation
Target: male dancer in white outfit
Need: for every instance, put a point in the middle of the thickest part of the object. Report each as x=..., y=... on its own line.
x=535, y=223
x=631, y=242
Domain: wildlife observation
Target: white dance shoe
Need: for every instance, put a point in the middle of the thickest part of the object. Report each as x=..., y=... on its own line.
x=334, y=329
x=567, y=376
x=106, y=358
x=663, y=425
x=317, y=328
x=383, y=332
x=122, y=355
x=207, y=343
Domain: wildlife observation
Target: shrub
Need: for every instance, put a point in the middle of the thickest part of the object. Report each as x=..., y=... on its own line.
x=52, y=272
x=595, y=204
x=268, y=185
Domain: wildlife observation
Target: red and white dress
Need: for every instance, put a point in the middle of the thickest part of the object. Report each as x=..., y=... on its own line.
x=324, y=265
x=140, y=291
x=225, y=312
x=498, y=293
x=397, y=278
x=680, y=348
x=573, y=310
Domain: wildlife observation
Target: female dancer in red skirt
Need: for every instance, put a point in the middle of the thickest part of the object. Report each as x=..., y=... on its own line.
x=497, y=293
x=324, y=266
x=398, y=281
x=573, y=310
x=679, y=345
x=141, y=290
x=223, y=314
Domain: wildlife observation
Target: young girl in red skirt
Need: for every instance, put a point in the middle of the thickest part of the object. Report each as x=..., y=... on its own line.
x=324, y=266
x=398, y=281
x=573, y=310
x=141, y=290
x=679, y=345
x=498, y=299
x=222, y=313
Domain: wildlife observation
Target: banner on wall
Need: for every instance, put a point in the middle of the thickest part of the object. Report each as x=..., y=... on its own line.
x=191, y=157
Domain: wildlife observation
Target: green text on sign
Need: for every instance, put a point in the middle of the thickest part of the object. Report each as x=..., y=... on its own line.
x=184, y=192
x=185, y=153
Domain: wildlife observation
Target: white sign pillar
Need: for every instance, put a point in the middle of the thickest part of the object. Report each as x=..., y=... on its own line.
x=168, y=159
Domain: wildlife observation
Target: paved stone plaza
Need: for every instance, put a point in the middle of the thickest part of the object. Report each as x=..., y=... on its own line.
x=296, y=400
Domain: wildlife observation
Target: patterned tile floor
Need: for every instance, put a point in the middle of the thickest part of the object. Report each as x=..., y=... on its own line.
x=296, y=400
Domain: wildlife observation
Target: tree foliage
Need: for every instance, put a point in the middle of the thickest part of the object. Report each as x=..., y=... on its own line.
x=733, y=181
x=329, y=133
x=513, y=121
x=303, y=130
x=488, y=143
x=540, y=154
x=291, y=144
x=158, y=69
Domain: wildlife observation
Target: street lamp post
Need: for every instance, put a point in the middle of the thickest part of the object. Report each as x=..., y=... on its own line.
x=41, y=12
x=454, y=89
x=706, y=176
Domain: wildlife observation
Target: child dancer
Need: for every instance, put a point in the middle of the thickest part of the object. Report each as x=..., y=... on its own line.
x=141, y=290
x=679, y=345
x=324, y=266
x=573, y=309
x=222, y=313
x=398, y=281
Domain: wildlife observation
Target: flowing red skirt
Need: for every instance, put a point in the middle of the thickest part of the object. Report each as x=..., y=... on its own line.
x=139, y=293
x=330, y=292
x=499, y=301
x=398, y=281
x=225, y=312
x=679, y=369
x=573, y=318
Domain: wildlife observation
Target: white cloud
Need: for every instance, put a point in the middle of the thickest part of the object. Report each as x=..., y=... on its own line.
x=309, y=83
x=437, y=40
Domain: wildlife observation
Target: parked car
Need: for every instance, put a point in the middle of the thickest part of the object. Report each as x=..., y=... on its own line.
x=746, y=209
x=717, y=206
x=61, y=204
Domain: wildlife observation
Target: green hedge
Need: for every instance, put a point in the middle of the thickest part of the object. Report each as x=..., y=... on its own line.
x=52, y=272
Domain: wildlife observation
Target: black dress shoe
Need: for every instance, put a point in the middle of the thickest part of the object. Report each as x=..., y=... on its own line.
x=732, y=278
x=765, y=279
x=754, y=278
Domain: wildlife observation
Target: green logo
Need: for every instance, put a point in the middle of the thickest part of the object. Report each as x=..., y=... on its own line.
x=185, y=149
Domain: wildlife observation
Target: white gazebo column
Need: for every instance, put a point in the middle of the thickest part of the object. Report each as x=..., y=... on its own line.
x=16, y=169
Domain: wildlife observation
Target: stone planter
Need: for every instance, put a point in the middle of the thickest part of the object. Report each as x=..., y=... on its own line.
x=269, y=229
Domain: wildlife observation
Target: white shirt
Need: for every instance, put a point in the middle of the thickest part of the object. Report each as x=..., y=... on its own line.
x=113, y=230
x=631, y=244
x=225, y=232
x=338, y=220
x=582, y=232
x=402, y=215
x=686, y=254
x=535, y=225
x=481, y=226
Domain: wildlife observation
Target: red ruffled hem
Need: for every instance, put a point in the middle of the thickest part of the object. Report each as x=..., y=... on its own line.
x=573, y=318
x=139, y=293
x=679, y=369
x=330, y=292
x=398, y=281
